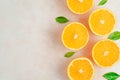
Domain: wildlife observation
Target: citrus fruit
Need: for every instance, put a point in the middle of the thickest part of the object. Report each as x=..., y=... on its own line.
x=80, y=6
x=101, y=22
x=80, y=69
x=75, y=36
x=105, y=53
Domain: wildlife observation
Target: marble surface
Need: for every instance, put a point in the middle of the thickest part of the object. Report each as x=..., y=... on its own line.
x=30, y=44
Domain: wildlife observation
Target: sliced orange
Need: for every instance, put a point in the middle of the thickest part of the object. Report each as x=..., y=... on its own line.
x=105, y=53
x=80, y=69
x=80, y=6
x=75, y=36
x=102, y=21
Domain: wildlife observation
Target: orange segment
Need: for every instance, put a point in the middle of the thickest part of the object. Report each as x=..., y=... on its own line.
x=105, y=53
x=80, y=6
x=80, y=69
x=102, y=22
x=75, y=36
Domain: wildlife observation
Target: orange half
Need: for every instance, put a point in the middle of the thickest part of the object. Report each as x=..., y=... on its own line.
x=105, y=53
x=80, y=6
x=75, y=36
x=80, y=69
x=102, y=22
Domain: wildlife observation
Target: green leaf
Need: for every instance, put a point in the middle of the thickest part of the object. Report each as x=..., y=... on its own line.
x=115, y=35
x=102, y=2
x=61, y=19
x=111, y=76
x=69, y=54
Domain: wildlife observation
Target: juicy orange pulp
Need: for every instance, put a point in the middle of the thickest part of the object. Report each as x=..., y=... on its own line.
x=80, y=6
x=105, y=53
x=75, y=36
x=80, y=69
x=102, y=22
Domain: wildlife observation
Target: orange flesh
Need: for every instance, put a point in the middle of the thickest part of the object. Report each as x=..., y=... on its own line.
x=102, y=22
x=80, y=6
x=81, y=70
x=75, y=36
x=106, y=53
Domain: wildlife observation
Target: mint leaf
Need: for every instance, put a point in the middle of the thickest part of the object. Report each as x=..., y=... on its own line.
x=115, y=35
x=111, y=76
x=61, y=19
x=69, y=54
x=102, y=2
